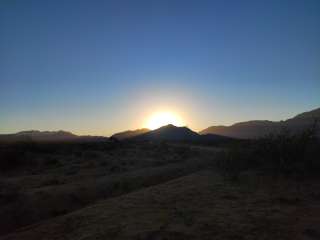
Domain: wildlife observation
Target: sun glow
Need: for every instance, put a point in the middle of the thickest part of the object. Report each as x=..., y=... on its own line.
x=163, y=118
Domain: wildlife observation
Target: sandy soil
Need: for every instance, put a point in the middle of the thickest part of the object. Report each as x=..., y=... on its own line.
x=202, y=205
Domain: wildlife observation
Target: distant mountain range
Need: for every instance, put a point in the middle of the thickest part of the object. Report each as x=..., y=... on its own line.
x=242, y=130
x=172, y=133
x=259, y=128
x=130, y=133
x=47, y=136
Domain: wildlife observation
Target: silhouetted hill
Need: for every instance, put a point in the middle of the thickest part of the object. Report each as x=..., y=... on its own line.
x=130, y=133
x=307, y=115
x=259, y=128
x=169, y=132
x=47, y=136
x=173, y=133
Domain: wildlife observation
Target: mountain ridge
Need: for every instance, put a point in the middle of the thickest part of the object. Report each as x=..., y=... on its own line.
x=47, y=136
x=174, y=133
x=259, y=128
x=129, y=133
x=241, y=130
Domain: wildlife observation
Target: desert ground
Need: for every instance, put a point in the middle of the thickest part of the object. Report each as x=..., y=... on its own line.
x=149, y=190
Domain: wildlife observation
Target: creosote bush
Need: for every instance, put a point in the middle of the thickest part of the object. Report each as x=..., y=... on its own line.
x=15, y=156
x=288, y=154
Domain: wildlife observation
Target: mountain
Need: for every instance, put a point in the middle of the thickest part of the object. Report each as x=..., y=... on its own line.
x=169, y=132
x=47, y=136
x=173, y=133
x=130, y=133
x=308, y=115
x=259, y=128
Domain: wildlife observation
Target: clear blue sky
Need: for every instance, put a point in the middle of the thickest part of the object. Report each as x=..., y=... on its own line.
x=97, y=67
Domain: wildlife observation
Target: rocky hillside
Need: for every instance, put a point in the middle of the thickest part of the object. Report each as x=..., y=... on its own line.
x=259, y=128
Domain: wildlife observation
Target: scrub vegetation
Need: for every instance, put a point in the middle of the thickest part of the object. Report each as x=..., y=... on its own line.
x=241, y=189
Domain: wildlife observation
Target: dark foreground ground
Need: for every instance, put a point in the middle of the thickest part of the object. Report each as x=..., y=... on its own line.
x=149, y=191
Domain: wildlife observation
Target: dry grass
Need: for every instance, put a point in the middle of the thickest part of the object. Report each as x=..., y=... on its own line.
x=199, y=206
x=142, y=191
x=61, y=180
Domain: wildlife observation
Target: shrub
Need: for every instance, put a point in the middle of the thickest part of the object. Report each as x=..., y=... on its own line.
x=8, y=192
x=14, y=156
x=285, y=153
x=52, y=181
x=51, y=161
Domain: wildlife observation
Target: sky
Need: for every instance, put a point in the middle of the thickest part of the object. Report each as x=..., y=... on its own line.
x=99, y=67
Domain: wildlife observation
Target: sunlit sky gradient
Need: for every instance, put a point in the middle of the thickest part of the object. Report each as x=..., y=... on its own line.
x=98, y=67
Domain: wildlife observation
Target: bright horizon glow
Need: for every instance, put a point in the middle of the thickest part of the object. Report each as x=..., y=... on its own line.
x=164, y=118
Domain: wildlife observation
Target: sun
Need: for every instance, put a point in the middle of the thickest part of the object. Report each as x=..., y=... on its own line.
x=163, y=118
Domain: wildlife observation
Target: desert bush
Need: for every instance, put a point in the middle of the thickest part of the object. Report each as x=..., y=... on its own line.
x=71, y=171
x=285, y=153
x=234, y=161
x=8, y=192
x=14, y=207
x=183, y=151
x=51, y=181
x=14, y=156
x=10, y=159
x=91, y=155
x=104, y=163
x=51, y=161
